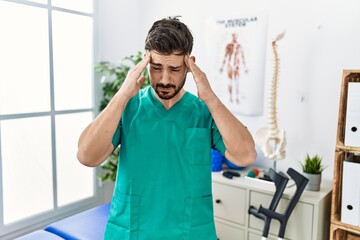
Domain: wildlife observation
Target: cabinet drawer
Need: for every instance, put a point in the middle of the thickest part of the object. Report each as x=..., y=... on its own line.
x=226, y=232
x=229, y=203
x=299, y=224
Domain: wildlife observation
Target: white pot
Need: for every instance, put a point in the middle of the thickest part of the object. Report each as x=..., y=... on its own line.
x=314, y=181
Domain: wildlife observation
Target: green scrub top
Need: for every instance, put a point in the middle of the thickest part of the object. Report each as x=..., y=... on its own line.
x=163, y=185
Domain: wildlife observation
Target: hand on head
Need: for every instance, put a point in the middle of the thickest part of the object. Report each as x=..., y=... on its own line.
x=135, y=79
x=203, y=86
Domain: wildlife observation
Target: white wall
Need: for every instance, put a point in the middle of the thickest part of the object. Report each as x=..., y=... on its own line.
x=119, y=29
x=322, y=38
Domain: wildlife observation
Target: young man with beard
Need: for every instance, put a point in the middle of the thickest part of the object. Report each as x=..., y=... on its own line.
x=163, y=185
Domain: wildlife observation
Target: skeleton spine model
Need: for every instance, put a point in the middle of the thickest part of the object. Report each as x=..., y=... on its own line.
x=271, y=138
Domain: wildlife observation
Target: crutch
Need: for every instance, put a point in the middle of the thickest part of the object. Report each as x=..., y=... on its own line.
x=283, y=218
x=280, y=180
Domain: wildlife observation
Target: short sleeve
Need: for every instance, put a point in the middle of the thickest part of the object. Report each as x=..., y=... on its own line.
x=216, y=141
x=117, y=136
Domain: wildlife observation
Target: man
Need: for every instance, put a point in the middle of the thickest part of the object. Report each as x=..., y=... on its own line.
x=163, y=186
x=233, y=52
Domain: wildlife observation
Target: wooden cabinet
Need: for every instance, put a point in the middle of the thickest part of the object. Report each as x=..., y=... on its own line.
x=310, y=219
x=340, y=230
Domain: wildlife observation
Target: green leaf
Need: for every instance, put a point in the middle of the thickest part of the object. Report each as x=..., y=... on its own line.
x=312, y=164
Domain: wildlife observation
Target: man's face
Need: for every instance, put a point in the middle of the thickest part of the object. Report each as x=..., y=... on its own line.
x=167, y=74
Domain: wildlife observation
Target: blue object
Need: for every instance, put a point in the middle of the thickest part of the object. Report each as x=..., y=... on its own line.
x=40, y=235
x=216, y=161
x=231, y=165
x=87, y=225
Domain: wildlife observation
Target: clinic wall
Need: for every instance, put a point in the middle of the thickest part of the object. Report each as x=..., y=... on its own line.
x=322, y=38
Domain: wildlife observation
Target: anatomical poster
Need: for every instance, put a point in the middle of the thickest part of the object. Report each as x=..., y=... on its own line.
x=237, y=47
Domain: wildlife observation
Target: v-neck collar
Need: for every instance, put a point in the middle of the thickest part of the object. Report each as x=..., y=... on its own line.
x=160, y=106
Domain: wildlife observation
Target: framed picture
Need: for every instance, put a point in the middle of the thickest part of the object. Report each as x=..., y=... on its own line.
x=237, y=48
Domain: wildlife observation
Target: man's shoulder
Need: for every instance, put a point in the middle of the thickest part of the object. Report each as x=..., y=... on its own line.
x=134, y=103
x=142, y=94
x=190, y=97
x=196, y=102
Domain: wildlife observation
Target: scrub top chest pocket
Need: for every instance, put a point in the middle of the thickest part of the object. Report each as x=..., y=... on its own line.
x=197, y=146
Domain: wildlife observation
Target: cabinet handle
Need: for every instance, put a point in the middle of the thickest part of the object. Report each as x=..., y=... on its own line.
x=218, y=201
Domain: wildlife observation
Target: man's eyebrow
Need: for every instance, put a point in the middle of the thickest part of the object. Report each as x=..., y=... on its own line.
x=160, y=65
x=175, y=67
x=156, y=64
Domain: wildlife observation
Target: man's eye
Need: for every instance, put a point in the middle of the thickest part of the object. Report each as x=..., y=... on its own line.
x=156, y=68
x=175, y=70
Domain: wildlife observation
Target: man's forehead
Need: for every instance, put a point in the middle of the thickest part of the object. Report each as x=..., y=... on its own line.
x=167, y=60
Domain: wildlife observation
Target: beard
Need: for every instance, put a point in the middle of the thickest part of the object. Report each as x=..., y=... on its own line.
x=168, y=91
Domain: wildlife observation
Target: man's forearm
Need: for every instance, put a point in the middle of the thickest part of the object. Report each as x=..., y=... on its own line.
x=95, y=142
x=240, y=146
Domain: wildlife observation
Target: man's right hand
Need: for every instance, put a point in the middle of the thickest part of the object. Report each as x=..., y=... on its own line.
x=134, y=79
x=95, y=142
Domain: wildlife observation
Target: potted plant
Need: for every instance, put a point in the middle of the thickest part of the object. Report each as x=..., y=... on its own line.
x=312, y=169
x=112, y=77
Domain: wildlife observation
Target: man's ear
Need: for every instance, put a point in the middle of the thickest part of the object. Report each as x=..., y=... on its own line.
x=192, y=58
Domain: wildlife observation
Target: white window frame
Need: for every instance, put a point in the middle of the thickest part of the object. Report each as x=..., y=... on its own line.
x=13, y=230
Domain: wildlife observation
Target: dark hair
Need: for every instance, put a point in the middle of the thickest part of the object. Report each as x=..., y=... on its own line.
x=169, y=35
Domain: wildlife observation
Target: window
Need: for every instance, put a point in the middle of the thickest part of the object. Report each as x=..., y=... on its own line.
x=46, y=99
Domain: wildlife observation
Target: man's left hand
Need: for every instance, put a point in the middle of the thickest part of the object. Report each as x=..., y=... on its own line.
x=205, y=92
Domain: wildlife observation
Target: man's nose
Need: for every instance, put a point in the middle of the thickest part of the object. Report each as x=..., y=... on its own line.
x=165, y=78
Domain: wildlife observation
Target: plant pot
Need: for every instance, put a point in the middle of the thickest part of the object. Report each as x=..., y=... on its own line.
x=314, y=181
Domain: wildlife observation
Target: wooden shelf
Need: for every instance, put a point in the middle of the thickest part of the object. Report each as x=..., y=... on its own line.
x=347, y=227
x=338, y=229
x=347, y=149
x=344, y=231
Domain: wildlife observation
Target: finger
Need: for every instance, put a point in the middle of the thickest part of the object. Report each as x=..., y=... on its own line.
x=145, y=61
x=139, y=68
x=141, y=80
x=193, y=67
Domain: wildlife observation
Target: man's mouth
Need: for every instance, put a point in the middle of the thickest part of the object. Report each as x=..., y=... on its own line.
x=165, y=88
